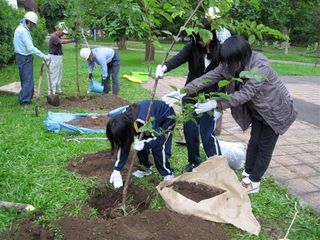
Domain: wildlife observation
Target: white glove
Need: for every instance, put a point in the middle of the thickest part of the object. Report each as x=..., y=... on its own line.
x=116, y=179
x=138, y=145
x=46, y=58
x=160, y=71
x=173, y=97
x=205, y=107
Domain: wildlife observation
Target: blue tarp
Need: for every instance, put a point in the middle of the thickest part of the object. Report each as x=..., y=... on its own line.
x=56, y=121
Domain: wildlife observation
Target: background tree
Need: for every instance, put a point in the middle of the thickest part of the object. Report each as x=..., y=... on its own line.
x=52, y=11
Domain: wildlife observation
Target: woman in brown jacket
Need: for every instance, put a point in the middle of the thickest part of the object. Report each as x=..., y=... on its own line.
x=266, y=105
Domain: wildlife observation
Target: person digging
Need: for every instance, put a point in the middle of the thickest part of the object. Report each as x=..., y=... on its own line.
x=122, y=129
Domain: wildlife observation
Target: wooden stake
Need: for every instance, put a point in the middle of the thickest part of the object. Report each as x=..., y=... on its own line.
x=78, y=139
x=20, y=206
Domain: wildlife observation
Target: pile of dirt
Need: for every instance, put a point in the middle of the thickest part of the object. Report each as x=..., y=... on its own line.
x=149, y=225
x=196, y=191
x=105, y=102
x=91, y=122
x=140, y=223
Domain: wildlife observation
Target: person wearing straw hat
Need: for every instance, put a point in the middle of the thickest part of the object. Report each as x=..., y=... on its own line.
x=55, y=54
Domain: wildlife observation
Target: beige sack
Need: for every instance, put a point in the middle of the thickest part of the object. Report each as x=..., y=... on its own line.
x=233, y=206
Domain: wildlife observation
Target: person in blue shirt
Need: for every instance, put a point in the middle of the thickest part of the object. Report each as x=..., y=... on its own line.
x=24, y=49
x=109, y=62
x=122, y=128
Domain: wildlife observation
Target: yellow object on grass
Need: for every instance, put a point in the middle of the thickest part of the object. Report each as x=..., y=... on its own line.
x=132, y=78
x=143, y=76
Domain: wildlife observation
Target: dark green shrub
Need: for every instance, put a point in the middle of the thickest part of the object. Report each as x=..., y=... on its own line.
x=7, y=25
x=9, y=20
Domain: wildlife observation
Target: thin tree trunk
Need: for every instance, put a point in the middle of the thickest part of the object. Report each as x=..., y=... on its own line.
x=287, y=43
x=149, y=57
x=122, y=43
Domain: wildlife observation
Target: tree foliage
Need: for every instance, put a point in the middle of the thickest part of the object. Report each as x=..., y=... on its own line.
x=9, y=20
x=52, y=11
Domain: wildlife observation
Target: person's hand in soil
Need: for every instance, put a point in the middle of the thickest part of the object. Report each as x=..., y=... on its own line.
x=116, y=179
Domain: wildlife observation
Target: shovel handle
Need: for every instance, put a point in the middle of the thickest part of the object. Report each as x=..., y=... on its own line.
x=42, y=68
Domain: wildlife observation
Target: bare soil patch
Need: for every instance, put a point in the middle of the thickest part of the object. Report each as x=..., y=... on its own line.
x=105, y=102
x=195, y=191
x=91, y=122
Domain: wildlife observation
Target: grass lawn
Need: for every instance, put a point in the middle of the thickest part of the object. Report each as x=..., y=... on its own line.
x=33, y=160
x=296, y=54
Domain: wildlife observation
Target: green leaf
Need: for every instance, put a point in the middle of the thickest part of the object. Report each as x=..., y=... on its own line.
x=223, y=83
x=167, y=32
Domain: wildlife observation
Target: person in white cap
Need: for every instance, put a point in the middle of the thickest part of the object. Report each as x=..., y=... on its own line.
x=201, y=57
x=55, y=53
x=109, y=62
x=24, y=49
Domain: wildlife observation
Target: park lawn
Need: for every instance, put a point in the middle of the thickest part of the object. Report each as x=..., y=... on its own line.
x=295, y=54
x=33, y=160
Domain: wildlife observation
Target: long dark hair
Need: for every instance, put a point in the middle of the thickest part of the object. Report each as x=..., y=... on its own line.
x=235, y=51
x=120, y=132
x=214, y=45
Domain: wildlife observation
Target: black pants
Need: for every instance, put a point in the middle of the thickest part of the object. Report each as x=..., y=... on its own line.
x=260, y=148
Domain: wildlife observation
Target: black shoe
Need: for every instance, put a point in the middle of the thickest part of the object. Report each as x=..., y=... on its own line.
x=191, y=166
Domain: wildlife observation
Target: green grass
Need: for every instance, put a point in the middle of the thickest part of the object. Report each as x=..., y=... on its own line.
x=295, y=54
x=33, y=161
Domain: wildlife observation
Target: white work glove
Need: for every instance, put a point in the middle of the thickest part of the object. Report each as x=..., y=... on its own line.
x=116, y=179
x=138, y=145
x=160, y=71
x=173, y=97
x=205, y=107
x=46, y=58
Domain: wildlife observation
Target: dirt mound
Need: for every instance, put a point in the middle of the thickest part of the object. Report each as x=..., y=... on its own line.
x=99, y=164
x=105, y=102
x=150, y=225
x=196, y=192
x=26, y=229
x=108, y=201
x=91, y=122
x=110, y=222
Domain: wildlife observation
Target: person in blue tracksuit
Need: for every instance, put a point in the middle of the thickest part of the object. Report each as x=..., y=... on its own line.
x=122, y=129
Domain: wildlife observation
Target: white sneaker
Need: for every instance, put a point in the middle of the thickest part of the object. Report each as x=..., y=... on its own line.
x=141, y=174
x=168, y=177
x=245, y=174
x=250, y=187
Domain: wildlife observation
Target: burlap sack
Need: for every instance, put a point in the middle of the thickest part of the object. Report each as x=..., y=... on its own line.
x=233, y=206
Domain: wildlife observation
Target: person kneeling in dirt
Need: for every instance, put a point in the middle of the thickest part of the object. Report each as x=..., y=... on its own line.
x=109, y=62
x=122, y=128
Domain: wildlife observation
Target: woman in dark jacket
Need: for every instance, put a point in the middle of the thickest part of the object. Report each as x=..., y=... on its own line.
x=266, y=105
x=201, y=58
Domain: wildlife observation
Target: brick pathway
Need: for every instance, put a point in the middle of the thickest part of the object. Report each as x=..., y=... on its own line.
x=296, y=159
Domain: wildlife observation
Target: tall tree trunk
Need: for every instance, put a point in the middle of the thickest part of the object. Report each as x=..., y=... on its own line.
x=149, y=57
x=122, y=43
x=287, y=43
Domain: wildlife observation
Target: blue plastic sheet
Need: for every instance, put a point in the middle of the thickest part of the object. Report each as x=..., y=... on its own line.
x=57, y=121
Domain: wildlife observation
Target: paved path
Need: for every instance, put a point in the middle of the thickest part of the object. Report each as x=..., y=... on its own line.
x=296, y=159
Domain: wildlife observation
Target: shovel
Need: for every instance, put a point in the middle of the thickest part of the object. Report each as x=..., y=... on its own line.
x=52, y=99
x=36, y=107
